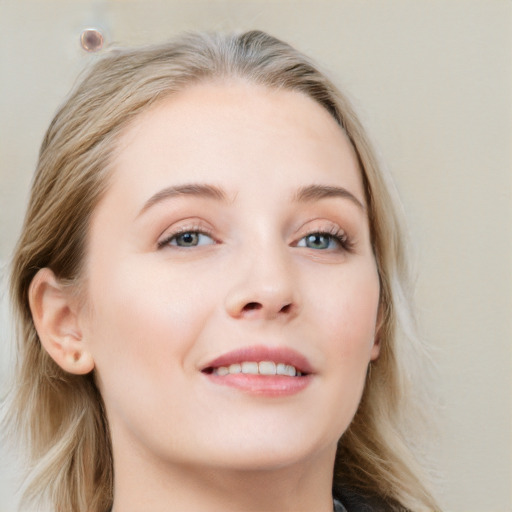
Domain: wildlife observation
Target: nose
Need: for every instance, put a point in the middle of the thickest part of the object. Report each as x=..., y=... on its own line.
x=265, y=288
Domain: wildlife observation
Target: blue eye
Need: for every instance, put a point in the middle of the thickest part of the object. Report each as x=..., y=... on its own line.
x=188, y=239
x=317, y=241
x=323, y=241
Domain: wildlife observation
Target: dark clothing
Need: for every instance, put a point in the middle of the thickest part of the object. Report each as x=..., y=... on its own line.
x=338, y=507
x=346, y=500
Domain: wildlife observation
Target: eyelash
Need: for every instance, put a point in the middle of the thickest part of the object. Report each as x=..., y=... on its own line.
x=339, y=236
x=168, y=239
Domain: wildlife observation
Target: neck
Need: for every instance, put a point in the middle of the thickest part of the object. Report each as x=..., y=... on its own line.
x=303, y=486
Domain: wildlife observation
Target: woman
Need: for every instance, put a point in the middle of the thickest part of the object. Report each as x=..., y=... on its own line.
x=209, y=286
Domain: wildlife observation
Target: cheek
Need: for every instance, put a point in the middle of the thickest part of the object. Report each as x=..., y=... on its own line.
x=352, y=328
x=350, y=309
x=142, y=326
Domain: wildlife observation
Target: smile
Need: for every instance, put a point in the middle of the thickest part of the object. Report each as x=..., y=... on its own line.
x=261, y=368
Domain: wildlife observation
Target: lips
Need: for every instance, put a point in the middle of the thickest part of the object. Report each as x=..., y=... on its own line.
x=261, y=370
x=258, y=354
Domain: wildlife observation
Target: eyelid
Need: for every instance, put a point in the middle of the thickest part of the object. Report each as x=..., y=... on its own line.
x=334, y=231
x=327, y=228
x=165, y=240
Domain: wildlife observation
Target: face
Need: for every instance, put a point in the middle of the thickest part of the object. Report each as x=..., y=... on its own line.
x=234, y=233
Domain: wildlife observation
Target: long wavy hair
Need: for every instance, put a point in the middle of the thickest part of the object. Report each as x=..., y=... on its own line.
x=60, y=417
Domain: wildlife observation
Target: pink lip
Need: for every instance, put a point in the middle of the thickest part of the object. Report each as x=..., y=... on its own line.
x=262, y=385
x=262, y=353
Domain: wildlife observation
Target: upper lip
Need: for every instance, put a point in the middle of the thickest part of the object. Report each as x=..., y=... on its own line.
x=260, y=353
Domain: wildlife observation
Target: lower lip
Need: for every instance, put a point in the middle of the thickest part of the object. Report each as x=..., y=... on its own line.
x=266, y=385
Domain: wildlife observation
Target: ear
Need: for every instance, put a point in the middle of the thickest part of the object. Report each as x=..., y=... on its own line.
x=56, y=320
x=375, y=350
x=374, y=354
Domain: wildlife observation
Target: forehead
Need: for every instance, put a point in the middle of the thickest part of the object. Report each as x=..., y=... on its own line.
x=235, y=133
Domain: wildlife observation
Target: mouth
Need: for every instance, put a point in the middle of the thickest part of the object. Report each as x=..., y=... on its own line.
x=256, y=368
x=261, y=370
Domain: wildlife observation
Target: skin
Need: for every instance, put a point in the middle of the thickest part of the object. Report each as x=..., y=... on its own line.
x=157, y=313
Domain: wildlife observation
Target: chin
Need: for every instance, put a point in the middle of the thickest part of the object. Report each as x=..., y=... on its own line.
x=272, y=454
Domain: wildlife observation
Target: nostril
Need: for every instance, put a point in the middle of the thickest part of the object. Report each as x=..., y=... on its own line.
x=252, y=306
x=286, y=308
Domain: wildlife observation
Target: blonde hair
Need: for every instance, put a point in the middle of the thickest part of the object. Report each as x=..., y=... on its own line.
x=61, y=416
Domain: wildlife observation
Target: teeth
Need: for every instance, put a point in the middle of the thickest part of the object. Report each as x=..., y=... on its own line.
x=267, y=368
x=261, y=368
x=286, y=369
x=291, y=371
x=281, y=369
x=251, y=368
x=235, y=368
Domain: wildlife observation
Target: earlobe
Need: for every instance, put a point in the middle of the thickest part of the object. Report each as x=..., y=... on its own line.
x=55, y=318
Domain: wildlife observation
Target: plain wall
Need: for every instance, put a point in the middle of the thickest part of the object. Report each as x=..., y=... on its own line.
x=432, y=81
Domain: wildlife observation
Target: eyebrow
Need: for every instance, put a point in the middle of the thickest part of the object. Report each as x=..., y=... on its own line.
x=304, y=194
x=189, y=189
x=316, y=192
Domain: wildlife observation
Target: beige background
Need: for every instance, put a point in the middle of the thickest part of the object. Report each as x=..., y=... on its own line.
x=432, y=81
